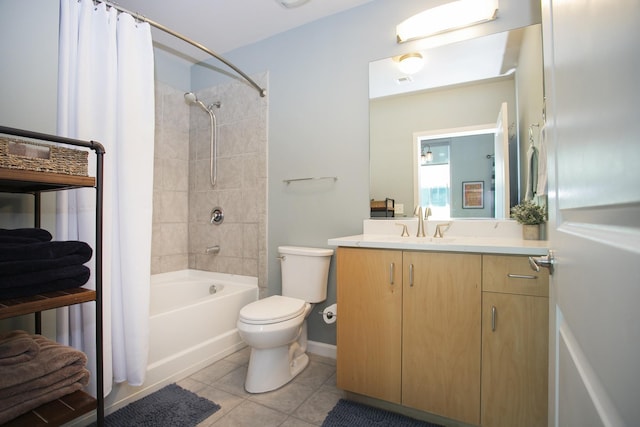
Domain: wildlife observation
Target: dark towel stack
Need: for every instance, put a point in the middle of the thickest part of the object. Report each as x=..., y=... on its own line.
x=30, y=263
x=35, y=370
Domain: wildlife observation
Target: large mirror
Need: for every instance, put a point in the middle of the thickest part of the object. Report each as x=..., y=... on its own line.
x=454, y=135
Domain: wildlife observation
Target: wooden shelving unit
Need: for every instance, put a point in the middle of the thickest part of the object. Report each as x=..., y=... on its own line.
x=69, y=407
x=45, y=301
x=21, y=181
x=57, y=412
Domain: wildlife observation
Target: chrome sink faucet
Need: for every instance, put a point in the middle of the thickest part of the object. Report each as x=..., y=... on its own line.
x=439, y=229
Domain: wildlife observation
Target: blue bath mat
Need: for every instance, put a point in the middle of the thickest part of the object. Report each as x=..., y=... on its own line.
x=171, y=406
x=352, y=414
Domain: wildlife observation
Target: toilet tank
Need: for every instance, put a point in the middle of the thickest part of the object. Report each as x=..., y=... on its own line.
x=305, y=272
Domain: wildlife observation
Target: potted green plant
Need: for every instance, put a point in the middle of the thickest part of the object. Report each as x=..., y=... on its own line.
x=530, y=215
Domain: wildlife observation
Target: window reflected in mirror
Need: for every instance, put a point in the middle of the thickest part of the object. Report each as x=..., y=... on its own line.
x=434, y=177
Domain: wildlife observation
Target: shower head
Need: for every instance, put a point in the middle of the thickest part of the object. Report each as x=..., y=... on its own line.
x=191, y=98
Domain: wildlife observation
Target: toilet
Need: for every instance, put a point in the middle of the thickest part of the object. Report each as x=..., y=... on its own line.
x=275, y=327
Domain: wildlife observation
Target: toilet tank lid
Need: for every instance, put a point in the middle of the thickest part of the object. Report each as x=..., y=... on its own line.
x=300, y=250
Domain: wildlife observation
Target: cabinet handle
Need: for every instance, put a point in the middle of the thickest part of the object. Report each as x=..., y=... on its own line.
x=522, y=276
x=494, y=313
x=392, y=268
x=411, y=275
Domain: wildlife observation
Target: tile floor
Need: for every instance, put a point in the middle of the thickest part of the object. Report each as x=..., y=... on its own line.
x=304, y=402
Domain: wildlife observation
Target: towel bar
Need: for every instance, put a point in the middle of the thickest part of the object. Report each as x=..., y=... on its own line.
x=289, y=181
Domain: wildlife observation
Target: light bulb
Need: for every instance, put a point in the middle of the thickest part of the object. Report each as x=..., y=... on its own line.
x=411, y=63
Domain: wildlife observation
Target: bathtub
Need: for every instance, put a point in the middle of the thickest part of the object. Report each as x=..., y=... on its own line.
x=192, y=324
x=193, y=318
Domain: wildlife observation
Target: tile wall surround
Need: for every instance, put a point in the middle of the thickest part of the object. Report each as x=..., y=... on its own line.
x=170, y=233
x=183, y=195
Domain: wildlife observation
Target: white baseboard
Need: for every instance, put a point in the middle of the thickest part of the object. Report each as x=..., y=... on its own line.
x=321, y=349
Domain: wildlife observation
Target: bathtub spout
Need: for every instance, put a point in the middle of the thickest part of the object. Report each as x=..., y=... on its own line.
x=213, y=249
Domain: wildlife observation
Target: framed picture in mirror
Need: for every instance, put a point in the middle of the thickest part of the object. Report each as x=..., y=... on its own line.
x=473, y=195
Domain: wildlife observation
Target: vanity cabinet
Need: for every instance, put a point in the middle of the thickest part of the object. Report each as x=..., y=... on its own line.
x=515, y=313
x=369, y=332
x=460, y=335
x=441, y=334
x=411, y=331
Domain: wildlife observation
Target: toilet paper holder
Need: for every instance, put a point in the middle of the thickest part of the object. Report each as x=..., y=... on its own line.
x=330, y=314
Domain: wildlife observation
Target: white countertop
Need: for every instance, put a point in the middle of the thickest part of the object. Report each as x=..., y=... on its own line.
x=491, y=245
x=479, y=236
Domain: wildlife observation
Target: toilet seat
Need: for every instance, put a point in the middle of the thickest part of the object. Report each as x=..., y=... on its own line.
x=273, y=309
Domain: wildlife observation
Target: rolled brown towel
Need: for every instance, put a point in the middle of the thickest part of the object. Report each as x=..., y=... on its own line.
x=17, y=347
x=52, y=357
x=31, y=400
x=34, y=389
x=57, y=370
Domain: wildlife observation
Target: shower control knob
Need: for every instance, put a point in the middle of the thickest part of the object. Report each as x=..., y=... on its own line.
x=217, y=216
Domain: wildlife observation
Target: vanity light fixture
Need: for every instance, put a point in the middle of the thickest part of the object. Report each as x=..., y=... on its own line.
x=449, y=16
x=289, y=4
x=411, y=63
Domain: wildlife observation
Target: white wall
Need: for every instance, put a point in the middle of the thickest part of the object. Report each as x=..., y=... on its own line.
x=28, y=86
x=172, y=70
x=28, y=97
x=29, y=52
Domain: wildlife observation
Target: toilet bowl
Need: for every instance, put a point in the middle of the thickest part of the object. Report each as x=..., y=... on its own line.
x=275, y=327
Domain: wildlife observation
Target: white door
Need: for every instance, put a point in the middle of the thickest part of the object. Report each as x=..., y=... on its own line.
x=592, y=85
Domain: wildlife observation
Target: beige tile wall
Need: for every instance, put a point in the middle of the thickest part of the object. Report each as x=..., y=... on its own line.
x=170, y=236
x=183, y=195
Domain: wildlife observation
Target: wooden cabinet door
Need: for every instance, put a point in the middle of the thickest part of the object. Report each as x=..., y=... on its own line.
x=514, y=360
x=441, y=334
x=369, y=294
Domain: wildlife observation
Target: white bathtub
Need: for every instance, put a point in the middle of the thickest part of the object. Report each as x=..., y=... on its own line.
x=189, y=325
x=189, y=328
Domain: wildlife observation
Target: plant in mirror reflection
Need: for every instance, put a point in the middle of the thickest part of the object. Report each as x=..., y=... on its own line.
x=529, y=213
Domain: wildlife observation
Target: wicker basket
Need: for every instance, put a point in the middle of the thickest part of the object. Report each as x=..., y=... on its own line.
x=27, y=155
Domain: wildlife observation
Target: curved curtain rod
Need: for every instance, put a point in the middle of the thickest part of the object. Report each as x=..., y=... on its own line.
x=262, y=91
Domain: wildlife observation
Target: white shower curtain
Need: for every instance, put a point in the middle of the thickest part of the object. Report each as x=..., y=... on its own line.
x=106, y=94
